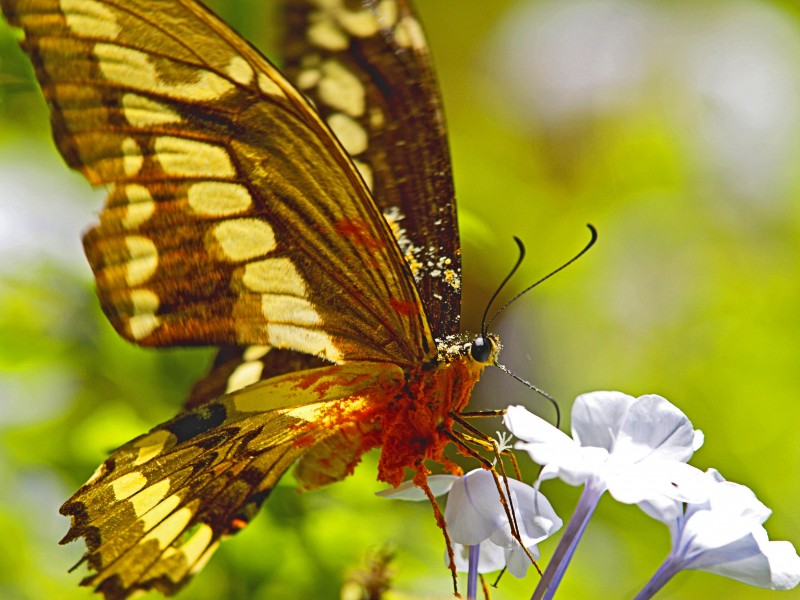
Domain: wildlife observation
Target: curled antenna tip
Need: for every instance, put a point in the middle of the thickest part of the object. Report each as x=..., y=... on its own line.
x=521, y=246
x=486, y=325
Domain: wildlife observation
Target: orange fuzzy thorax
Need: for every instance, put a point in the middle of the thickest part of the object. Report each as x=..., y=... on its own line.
x=413, y=422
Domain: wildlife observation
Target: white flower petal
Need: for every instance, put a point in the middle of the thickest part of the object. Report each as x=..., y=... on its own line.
x=662, y=509
x=491, y=557
x=530, y=428
x=597, y=417
x=784, y=565
x=473, y=510
x=651, y=480
x=718, y=537
x=655, y=428
x=725, y=535
x=517, y=561
x=775, y=567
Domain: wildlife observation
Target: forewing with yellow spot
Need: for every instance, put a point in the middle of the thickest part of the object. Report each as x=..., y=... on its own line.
x=355, y=61
x=234, y=216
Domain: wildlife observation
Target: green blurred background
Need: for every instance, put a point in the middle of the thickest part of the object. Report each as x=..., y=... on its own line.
x=673, y=127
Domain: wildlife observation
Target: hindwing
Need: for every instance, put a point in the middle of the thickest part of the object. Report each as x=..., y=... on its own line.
x=157, y=508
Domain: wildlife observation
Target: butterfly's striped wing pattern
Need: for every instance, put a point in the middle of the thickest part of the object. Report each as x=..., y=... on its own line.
x=233, y=215
x=368, y=71
x=239, y=216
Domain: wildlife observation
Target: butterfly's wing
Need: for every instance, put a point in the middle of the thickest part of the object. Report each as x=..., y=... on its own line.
x=156, y=510
x=237, y=367
x=234, y=216
x=368, y=70
x=370, y=65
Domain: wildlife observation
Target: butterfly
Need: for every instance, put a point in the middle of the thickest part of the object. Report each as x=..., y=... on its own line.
x=303, y=222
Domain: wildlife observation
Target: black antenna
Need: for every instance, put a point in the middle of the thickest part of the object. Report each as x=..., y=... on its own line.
x=545, y=278
x=484, y=326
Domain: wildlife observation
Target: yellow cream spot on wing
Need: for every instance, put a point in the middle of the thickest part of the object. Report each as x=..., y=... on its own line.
x=274, y=276
x=341, y=90
x=132, y=159
x=409, y=34
x=141, y=111
x=267, y=85
x=271, y=397
x=328, y=4
x=89, y=18
x=201, y=562
x=386, y=14
x=140, y=208
x=181, y=156
x=97, y=473
x=218, y=199
x=349, y=132
x=366, y=172
x=165, y=532
x=126, y=66
x=255, y=352
x=310, y=341
x=308, y=78
x=140, y=326
x=245, y=374
x=243, y=239
x=154, y=516
x=360, y=24
x=151, y=446
x=376, y=117
x=325, y=34
x=135, y=194
x=127, y=485
x=288, y=309
x=149, y=497
x=240, y=70
x=193, y=549
x=143, y=261
x=144, y=301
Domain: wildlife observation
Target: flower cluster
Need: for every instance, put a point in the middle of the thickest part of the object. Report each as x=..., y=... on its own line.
x=637, y=450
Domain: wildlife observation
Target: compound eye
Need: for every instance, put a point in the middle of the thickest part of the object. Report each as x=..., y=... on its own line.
x=481, y=349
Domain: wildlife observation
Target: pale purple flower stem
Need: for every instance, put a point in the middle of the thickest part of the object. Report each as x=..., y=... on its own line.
x=665, y=572
x=472, y=576
x=558, y=564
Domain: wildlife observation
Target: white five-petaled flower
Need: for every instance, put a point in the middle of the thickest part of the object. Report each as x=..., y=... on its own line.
x=636, y=448
x=476, y=516
x=724, y=535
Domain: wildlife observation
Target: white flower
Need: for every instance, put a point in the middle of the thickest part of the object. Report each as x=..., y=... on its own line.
x=636, y=448
x=725, y=535
x=476, y=516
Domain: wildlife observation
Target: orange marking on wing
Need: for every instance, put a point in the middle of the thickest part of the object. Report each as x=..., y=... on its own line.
x=359, y=234
x=305, y=441
x=405, y=308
